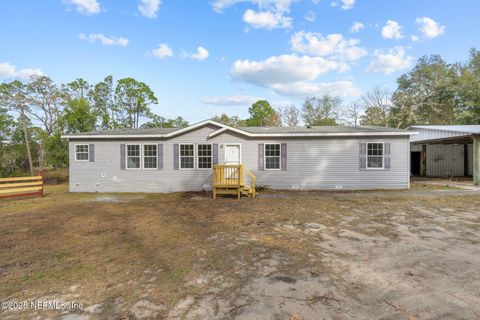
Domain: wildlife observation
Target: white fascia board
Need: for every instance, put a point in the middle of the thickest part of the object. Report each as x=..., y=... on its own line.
x=194, y=126
x=225, y=128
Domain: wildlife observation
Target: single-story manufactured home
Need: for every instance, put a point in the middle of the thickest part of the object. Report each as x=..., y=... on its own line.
x=168, y=160
x=446, y=151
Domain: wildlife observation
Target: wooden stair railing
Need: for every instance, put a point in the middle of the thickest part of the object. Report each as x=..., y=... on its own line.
x=252, y=186
x=229, y=179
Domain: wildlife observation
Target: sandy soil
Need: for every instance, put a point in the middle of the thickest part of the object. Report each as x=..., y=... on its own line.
x=304, y=255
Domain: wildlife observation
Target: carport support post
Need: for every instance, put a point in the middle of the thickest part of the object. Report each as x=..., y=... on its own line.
x=476, y=159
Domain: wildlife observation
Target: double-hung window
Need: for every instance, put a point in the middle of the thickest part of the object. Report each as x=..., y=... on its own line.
x=133, y=156
x=187, y=156
x=204, y=154
x=375, y=155
x=149, y=156
x=81, y=152
x=272, y=156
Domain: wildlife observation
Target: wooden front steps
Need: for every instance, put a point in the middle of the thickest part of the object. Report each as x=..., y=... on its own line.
x=248, y=191
x=229, y=179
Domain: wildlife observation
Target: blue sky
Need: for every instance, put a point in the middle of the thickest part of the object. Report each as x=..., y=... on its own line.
x=202, y=58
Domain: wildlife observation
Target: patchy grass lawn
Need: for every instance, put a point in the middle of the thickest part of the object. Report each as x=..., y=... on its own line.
x=304, y=255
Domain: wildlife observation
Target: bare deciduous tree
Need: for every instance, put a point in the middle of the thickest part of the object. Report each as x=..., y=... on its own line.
x=378, y=106
x=289, y=116
x=353, y=113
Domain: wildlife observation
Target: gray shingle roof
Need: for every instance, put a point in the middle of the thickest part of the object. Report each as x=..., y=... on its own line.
x=319, y=129
x=252, y=131
x=120, y=132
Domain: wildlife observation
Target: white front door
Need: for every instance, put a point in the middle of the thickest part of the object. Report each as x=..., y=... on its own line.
x=232, y=154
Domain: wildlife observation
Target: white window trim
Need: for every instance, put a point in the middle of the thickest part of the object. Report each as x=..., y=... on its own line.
x=142, y=156
x=232, y=144
x=265, y=157
x=88, y=152
x=383, y=155
x=126, y=156
x=197, y=156
x=180, y=156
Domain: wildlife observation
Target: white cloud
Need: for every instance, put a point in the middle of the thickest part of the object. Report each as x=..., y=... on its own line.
x=347, y=4
x=303, y=89
x=356, y=27
x=280, y=5
x=310, y=16
x=334, y=46
x=392, y=30
x=221, y=5
x=414, y=38
x=344, y=4
x=149, y=8
x=163, y=51
x=266, y=19
x=429, y=27
x=87, y=7
x=9, y=71
x=236, y=100
x=200, y=55
x=388, y=62
x=104, y=40
x=270, y=14
x=284, y=69
x=293, y=75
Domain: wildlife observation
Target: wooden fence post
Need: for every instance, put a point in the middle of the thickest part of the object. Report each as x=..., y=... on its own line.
x=43, y=182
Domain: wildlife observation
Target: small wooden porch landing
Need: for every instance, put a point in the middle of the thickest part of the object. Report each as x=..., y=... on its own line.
x=229, y=179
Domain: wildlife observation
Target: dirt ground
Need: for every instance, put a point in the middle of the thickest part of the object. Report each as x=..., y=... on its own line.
x=285, y=255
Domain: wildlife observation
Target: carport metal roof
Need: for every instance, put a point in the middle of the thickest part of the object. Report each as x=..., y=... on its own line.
x=466, y=139
x=458, y=128
x=447, y=134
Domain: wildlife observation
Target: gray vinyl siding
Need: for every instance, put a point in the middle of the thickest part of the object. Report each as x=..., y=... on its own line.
x=313, y=163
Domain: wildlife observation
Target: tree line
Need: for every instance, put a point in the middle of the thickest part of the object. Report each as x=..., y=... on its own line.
x=34, y=114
